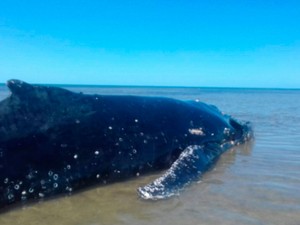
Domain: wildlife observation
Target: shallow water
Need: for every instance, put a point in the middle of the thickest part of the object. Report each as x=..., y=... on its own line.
x=257, y=183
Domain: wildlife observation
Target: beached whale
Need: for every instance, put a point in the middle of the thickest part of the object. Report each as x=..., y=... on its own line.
x=54, y=141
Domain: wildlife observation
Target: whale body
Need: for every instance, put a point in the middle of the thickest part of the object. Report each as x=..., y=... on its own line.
x=55, y=141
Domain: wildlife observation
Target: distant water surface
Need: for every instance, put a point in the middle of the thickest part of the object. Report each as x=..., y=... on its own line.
x=254, y=184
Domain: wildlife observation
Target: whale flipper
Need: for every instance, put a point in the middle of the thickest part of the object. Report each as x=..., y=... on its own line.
x=192, y=162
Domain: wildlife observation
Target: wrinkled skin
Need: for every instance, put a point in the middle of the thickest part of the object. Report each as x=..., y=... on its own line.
x=54, y=141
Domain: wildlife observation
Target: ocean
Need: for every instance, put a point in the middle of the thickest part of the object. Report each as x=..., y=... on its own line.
x=253, y=184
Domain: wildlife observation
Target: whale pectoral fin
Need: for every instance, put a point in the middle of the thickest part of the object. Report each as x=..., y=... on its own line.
x=192, y=162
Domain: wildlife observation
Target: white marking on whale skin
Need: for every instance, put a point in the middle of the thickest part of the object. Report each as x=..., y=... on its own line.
x=198, y=131
x=10, y=196
x=41, y=195
x=226, y=131
x=55, y=177
x=63, y=145
x=69, y=189
x=5, y=180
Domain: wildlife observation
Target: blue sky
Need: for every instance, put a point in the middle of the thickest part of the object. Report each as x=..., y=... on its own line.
x=232, y=43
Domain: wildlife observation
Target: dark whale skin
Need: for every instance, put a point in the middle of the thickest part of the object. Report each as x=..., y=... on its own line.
x=54, y=141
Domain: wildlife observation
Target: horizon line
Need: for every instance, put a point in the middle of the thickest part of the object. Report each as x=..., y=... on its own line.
x=157, y=86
